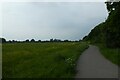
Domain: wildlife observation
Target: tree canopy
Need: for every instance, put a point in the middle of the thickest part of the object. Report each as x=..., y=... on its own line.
x=108, y=32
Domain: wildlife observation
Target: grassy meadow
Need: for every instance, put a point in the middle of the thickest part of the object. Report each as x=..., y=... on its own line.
x=41, y=60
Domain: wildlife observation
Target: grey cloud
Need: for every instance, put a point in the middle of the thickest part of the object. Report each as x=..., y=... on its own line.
x=45, y=20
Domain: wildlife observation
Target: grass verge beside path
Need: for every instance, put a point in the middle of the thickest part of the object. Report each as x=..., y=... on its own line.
x=41, y=60
x=111, y=54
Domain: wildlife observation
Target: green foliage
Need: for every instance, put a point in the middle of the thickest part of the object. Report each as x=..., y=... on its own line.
x=108, y=32
x=2, y=40
x=111, y=6
x=41, y=60
x=113, y=29
x=97, y=34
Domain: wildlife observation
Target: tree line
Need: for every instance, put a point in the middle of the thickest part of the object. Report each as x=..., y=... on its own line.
x=107, y=32
x=3, y=40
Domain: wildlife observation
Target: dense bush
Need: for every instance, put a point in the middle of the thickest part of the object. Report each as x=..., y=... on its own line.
x=108, y=32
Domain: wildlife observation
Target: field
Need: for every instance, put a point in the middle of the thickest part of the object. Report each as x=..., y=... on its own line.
x=41, y=60
x=111, y=54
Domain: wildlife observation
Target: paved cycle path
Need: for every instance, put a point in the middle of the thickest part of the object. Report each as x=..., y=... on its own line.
x=92, y=64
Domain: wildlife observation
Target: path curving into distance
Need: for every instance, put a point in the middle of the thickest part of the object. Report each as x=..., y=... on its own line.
x=92, y=64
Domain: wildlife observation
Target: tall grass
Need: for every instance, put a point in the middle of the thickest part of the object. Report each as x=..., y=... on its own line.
x=41, y=60
x=111, y=54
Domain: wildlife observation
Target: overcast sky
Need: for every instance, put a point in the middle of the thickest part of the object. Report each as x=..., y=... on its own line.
x=46, y=20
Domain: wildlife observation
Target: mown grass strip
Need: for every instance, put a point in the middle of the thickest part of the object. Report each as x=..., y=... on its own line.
x=111, y=54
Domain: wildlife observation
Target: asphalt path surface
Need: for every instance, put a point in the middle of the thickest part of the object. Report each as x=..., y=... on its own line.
x=92, y=64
